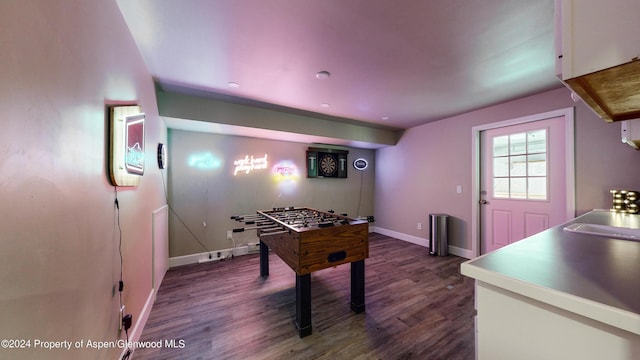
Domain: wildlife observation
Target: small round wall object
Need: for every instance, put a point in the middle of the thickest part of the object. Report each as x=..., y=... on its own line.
x=360, y=164
x=162, y=156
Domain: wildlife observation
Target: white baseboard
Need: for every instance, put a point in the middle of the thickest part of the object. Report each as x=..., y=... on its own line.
x=453, y=250
x=402, y=236
x=136, y=332
x=213, y=255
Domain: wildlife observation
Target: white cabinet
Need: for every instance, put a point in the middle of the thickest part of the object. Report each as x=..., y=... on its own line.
x=597, y=35
x=512, y=326
x=598, y=46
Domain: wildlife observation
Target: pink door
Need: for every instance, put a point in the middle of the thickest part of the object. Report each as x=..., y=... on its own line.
x=523, y=183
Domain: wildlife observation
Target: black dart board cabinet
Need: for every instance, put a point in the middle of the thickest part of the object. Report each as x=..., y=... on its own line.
x=326, y=163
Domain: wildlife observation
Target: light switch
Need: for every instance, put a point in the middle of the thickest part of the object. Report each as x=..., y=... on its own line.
x=459, y=189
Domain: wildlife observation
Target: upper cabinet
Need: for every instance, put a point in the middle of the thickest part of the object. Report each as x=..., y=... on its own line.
x=598, y=50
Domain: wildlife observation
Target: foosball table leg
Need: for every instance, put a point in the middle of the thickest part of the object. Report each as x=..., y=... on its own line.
x=357, y=286
x=303, y=304
x=264, y=260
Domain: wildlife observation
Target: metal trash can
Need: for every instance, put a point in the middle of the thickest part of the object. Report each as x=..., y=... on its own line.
x=438, y=237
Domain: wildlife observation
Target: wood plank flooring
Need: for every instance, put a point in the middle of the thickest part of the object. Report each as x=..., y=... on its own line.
x=417, y=307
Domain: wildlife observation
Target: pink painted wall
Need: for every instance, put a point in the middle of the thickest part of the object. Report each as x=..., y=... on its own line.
x=419, y=175
x=61, y=63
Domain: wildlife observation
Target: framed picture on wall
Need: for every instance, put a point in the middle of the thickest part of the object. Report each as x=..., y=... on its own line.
x=134, y=150
x=126, y=152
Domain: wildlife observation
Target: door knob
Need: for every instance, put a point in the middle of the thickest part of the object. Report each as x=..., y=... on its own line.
x=483, y=202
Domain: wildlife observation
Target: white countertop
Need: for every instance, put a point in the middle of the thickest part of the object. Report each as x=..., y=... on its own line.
x=593, y=276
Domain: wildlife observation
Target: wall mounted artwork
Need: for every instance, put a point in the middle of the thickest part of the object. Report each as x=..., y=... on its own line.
x=126, y=152
x=248, y=164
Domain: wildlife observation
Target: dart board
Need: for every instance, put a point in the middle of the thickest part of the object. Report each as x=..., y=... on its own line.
x=328, y=165
x=325, y=163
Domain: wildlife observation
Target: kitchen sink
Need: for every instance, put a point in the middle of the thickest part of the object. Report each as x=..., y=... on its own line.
x=605, y=230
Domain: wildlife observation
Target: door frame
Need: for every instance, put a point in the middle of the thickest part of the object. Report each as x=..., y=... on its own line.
x=568, y=114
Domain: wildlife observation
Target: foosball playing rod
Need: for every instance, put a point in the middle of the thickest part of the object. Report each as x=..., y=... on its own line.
x=298, y=222
x=272, y=229
x=275, y=233
x=315, y=222
x=257, y=222
x=303, y=213
x=263, y=227
x=295, y=216
x=247, y=217
x=306, y=218
x=326, y=224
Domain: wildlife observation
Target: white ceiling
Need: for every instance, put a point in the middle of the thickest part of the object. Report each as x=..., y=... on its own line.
x=413, y=61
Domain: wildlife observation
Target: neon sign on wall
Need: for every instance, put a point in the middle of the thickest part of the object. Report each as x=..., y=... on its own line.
x=285, y=175
x=204, y=161
x=284, y=170
x=249, y=164
x=134, y=138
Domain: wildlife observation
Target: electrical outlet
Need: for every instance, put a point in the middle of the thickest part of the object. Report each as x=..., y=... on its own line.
x=419, y=226
x=229, y=234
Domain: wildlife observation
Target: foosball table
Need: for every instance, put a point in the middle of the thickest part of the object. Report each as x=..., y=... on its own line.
x=309, y=240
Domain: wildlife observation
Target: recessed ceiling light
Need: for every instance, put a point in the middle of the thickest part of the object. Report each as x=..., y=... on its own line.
x=233, y=85
x=321, y=75
x=325, y=105
x=384, y=118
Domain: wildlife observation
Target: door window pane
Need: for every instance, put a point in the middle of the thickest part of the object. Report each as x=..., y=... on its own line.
x=518, y=188
x=501, y=166
x=537, y=188
x=537, y=164
x=518, y=165
x=501, y=188
x=537, y=141
x=518, y=144
x=501, y=145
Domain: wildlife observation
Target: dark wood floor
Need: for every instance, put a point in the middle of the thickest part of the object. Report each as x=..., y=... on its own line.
x=417, y=307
